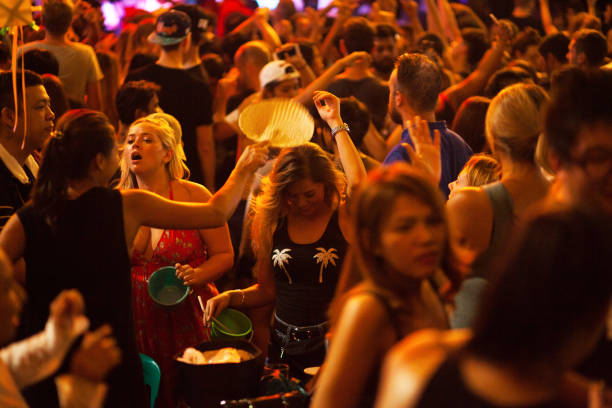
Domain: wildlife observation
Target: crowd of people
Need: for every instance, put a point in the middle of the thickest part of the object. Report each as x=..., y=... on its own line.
x=441, y=240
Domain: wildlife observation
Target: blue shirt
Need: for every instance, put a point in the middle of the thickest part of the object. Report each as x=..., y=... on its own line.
x=454, y=150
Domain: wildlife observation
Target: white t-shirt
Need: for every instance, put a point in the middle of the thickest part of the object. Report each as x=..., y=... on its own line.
x=78, y=65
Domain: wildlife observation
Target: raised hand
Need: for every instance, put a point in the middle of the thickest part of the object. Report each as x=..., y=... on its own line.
x=426, y=153
x=253, y=157
x=328, y=106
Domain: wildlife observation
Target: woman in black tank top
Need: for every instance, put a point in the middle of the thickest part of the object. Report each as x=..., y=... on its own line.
x=402, y=253
x=298, y=234
x=543, y=313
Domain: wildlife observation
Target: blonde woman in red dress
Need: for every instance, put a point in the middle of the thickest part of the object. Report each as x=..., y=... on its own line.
x=153, y=160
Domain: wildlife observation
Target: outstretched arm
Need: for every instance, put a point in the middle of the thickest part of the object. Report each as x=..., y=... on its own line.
x=328, y=76
x=143, y=208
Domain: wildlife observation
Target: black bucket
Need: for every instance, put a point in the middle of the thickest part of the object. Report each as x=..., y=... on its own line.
x=205, y=385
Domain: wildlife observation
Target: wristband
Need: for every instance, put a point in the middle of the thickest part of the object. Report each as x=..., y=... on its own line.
x=337, y=129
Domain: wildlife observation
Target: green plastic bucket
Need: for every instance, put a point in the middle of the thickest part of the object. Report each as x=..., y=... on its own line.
x=165, y=288
x=238, y=323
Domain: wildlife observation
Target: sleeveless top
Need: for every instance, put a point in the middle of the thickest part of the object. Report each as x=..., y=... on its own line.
x=447, y=389
x=162, y=333
x=503, y=219
x=306, y=275
x=368, y=395
x=86, y=250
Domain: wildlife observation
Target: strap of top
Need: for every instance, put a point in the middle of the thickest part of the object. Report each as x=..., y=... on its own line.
x=390, y=312
x=170, y=191
x=503, y=212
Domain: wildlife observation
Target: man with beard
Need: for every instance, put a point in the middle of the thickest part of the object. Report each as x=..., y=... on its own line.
x=383, y=52
x=413, y=92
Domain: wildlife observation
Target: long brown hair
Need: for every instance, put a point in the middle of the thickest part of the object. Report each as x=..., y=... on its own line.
x=307, y=161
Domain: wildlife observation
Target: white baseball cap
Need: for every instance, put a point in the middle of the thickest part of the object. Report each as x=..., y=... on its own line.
x=277, y=71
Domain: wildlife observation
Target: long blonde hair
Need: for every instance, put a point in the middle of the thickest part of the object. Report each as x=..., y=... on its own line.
x=307, y=161
x=170, y=140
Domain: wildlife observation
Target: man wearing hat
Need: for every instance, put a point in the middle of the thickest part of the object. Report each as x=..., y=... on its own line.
x=202, y=24
x=182, y=94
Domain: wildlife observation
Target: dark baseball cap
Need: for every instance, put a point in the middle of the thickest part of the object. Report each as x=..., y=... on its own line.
x=172, y=27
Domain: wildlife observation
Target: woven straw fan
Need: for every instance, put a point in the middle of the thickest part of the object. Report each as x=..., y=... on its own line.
x=284, y=122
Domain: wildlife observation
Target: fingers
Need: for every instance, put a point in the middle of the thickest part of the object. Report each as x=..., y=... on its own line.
x=411, y=153
x=68, y=303
x=437, y=138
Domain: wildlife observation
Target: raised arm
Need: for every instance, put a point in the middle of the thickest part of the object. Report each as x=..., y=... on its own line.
x=411, y=8
x=328, y=106
x=268, y=35
x=547, y=21
x=449, y=21
x=434, y=24
x=477, y=80
x=328, y=76
x=143, y=208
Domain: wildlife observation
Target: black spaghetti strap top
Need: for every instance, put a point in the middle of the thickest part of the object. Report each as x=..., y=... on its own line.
x=306, y=275
x=447, y=389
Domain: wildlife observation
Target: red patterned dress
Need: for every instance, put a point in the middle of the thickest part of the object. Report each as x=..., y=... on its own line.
x=161, y=333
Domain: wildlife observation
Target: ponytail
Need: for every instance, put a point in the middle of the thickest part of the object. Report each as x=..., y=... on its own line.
x=81, y=134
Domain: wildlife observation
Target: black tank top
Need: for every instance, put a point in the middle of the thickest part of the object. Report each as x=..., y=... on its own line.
x=447, y=389
x=87, y=251
x=306, y=274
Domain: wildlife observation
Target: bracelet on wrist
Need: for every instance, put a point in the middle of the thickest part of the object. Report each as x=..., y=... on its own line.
x=241, y=291
x=339, y=128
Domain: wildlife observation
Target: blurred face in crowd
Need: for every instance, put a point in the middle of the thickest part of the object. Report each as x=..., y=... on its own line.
x=412, y=238
x=144, y=151
x=393, y=89
x=288, y=88
x=533, y=56
x=589, y=174
x=383, y=54
x=305, y=197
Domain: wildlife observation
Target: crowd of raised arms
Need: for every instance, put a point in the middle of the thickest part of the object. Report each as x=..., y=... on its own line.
x=441, y=239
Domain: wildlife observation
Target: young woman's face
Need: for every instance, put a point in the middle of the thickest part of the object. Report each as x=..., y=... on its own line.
x=412, y=238
x=144, y=151
x=305, y=197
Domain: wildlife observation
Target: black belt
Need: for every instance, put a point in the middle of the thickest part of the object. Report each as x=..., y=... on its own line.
x=290, y=332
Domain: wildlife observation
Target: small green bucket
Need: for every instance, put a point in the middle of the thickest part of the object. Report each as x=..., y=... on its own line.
x=239, y=324
x=165, y=288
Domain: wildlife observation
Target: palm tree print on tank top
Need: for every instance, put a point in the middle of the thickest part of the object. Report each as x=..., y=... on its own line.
x=280, y=258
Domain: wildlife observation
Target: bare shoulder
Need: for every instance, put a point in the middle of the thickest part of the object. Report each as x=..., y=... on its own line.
x=361, y=305
x=189, y=191
x=411, y=363
x=468, y=199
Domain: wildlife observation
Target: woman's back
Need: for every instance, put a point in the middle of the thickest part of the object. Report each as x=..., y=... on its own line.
x=86, y=250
